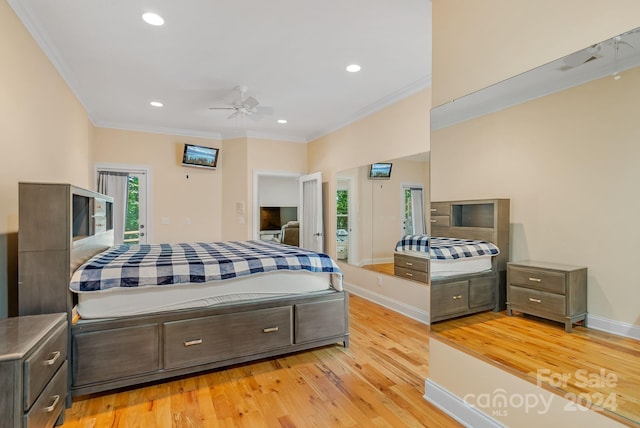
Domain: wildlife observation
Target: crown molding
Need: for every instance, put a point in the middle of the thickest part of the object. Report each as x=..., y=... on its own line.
x=402, y=93
x=159, y=130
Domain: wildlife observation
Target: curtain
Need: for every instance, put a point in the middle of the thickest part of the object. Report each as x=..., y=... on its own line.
x=116, y=185
x=417, y=209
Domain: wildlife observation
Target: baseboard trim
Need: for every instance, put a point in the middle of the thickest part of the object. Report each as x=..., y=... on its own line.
x=455, y=407
x=614, y=327
x=387, y=302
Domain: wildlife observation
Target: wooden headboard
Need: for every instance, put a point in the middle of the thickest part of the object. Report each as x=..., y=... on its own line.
x=60, y=227
x=483, y=219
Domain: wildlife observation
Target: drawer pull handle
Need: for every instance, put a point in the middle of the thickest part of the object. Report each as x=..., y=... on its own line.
x=270, y=330
x=458, y=297
x=408, y=274
x=531, y=299
x=434, y=210
x=54, y=357
x=535, y=279
x=193, y=342
x=49, y=409
x=408, y=264
x=434, y=221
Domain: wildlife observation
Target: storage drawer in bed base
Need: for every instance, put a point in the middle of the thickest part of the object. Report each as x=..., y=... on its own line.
x=116, y=353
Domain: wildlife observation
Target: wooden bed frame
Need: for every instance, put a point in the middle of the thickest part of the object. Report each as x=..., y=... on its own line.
x=120, y=352
x=454, y=296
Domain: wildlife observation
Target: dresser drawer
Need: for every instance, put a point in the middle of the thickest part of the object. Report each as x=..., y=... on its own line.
x=216, y=338
x=409, y=262
x=43, y=363
x=536, y=301
x=482, y=292
x=410, y=274
x=538, y=279
x=318, y=320
x=440, y=208
x=440, y=221
x=116, y=353
x=51, y=402
x=449, y=299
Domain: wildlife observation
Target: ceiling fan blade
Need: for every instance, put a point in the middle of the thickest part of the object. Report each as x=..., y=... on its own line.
x=221, y=108
x=264, y=110
x=234, y=114
x=250, y=103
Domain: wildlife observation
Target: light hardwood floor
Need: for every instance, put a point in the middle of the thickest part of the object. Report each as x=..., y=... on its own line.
x=377, y=381
x=586, y=364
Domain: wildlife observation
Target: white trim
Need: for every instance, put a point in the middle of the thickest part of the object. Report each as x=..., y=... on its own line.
x=256, y=204
x=456, y=408
x=231, y=135
x=614, y=327
x=139, y=168
x=158, y=130
x=389, y=303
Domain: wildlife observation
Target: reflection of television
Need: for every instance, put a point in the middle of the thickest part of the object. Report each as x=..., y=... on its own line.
x=380, y=171
x=200, y=156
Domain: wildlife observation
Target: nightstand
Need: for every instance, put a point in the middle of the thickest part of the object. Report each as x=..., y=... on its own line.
x=33, y=370
x=549, y=290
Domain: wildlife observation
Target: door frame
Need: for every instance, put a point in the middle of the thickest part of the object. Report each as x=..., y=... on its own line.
x=403, y=187
x=138, y=169
x=255, y=233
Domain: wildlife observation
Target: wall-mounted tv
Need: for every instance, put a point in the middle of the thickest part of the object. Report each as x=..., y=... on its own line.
x=200, y=156
x=380, y=171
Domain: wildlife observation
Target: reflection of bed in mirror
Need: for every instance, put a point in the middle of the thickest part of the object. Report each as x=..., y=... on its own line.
x=462, y=285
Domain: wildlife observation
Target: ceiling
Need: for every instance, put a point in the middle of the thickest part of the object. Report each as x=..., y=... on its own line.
x=290, y=54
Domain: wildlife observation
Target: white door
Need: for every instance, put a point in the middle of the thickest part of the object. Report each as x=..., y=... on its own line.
x=310, y=212
x=130, y=201
x=413, y=207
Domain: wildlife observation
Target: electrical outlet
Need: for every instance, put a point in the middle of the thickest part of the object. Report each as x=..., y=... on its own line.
x=164, y=220
x=379, y=280
x=187, y=220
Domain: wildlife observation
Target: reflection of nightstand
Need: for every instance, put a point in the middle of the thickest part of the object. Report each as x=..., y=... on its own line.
x=548, y=290
x=342, y=251
x=270, y=235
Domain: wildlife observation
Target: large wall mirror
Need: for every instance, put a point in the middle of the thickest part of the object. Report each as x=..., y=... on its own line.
x=563, y=143
x=376, y=205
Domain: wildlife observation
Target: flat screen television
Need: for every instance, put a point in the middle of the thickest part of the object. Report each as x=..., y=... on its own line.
x=380, y=171
x=200, y=156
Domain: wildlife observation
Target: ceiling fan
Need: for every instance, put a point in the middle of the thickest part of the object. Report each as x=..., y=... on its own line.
x=245, y=106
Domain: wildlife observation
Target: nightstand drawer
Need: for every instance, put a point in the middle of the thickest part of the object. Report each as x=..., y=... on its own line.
x=51, y=402
x=538, y=279
x=40, y=366
x=449, y=299
x=536, y=301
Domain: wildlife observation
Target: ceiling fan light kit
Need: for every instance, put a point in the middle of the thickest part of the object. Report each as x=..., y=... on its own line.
x=245, y=106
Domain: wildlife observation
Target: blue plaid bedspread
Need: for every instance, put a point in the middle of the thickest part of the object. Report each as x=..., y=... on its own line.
x=446, y=248
x=167, y=264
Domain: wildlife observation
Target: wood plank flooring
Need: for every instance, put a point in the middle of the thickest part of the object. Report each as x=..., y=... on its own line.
x=586, y=364
x=386, y=268
x=378, y=381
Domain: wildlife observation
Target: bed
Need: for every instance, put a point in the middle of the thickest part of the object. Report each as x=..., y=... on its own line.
x=147, y=313
x=464, y=261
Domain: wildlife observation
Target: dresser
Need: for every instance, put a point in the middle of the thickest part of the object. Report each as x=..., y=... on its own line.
x=411, y=267
x=548, y=290
x=33, y=370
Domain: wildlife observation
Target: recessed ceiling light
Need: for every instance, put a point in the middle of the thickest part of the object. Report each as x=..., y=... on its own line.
x=282, y=120
x=156, y=103
x=353, y=68
x=152, y=18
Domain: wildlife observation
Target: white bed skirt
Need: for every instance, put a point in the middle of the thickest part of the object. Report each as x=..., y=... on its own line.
x=121, y=302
